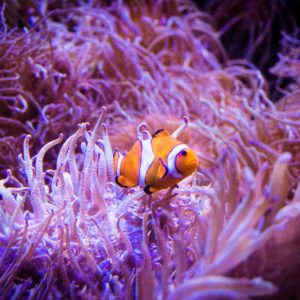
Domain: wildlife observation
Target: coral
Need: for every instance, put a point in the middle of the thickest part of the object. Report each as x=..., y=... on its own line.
x=68, y=231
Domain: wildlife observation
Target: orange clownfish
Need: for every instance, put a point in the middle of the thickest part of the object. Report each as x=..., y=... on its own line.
x=154, y=162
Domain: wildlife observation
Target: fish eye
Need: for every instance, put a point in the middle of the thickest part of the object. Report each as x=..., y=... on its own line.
x=183, y=153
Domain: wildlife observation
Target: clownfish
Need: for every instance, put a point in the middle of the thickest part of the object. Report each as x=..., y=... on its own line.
x=154, y=163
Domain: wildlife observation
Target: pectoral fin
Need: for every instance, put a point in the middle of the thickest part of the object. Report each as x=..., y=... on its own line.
x=162, y=169
x=150, y=190
x=157, y=171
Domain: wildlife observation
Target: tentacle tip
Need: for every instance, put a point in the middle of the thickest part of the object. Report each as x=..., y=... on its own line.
x=103, y=112
x=8, y=174
x=104, y=127
x=285, y=157
x=83, y=125
x=146, y=135
x=186, y=120
x=141, y=128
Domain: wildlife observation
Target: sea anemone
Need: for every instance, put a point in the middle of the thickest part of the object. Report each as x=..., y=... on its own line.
x=76, y=80
x=253, y=30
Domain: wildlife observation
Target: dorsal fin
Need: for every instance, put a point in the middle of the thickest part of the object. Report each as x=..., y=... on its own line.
x=161, y=132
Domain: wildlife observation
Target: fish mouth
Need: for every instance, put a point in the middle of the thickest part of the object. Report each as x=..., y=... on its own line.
x=191, y=166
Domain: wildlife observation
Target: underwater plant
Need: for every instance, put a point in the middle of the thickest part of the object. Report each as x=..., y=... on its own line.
x=76, y=80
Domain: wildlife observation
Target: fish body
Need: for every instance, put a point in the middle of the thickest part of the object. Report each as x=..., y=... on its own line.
x=155, y=163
